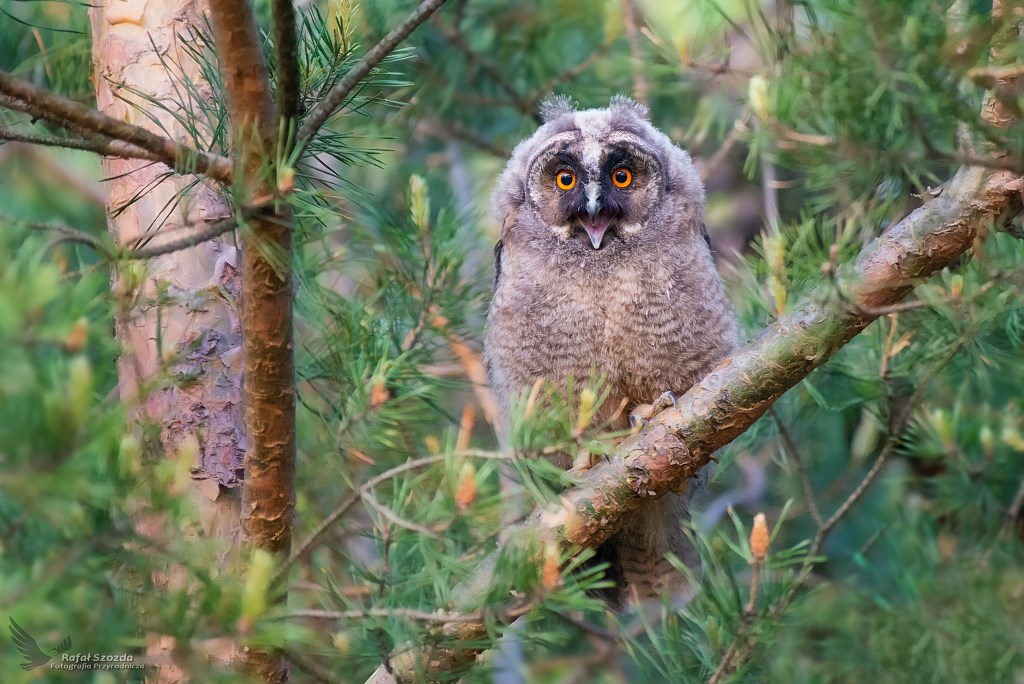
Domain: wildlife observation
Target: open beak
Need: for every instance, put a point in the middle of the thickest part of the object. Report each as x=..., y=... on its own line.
x=596, y=233
x=595, y=223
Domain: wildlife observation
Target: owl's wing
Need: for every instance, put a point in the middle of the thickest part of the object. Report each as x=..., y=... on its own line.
x=704, y=232
x=497, y=263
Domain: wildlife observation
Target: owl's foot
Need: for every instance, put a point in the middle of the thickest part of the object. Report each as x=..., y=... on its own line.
x=585, y=460
x=639, y=416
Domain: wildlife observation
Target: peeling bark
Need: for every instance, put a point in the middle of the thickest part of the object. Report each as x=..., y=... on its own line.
x=176, y=323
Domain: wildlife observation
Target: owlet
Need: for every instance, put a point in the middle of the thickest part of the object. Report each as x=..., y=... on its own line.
x=604, y=269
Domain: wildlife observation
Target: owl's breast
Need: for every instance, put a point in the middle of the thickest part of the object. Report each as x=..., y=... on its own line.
x=645, y=329
x=545, y=329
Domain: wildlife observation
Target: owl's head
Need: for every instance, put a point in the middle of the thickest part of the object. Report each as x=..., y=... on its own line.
x=598, y=181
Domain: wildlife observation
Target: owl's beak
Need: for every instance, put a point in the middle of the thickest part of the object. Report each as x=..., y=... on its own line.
x=596, y=234
x=595, y=223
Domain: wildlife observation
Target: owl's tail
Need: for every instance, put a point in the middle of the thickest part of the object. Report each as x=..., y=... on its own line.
x=636, y=556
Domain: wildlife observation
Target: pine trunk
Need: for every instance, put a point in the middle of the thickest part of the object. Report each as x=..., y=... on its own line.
x=181, y=338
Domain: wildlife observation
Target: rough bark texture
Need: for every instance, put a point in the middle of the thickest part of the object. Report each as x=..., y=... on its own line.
x=268, y=494
x=180, y=324
x=681, y=440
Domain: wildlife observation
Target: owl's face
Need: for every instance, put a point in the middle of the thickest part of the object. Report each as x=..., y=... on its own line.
x=598, y=181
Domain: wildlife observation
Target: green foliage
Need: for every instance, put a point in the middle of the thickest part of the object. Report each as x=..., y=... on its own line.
x=855, y=114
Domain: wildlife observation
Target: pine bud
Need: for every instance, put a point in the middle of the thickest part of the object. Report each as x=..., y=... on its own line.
x=343, y=642
x=130, y=455
x=77, y=337
x=419, y=203
x=551, y=573
x=987, y=440
x=285, y=179
x=940, y=420
x=465, y=489
x=531, y=401
x=956, y=286
x=760, y=98
x=378, y=392
x=1012, y=438
x=759, y=538
x=257, y=584
x=587, y=401
x=79, y=390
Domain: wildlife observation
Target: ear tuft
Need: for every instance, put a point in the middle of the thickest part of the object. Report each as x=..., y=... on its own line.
x=555, y=107
x=622, y=104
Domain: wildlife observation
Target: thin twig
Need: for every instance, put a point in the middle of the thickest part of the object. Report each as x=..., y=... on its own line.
x=393, y=517
x=353, y=498
x=440, y=617
x=741, y=647
x=632, y=19
x=801, y=469
x=64, y=234
x=337, y=94
x=52, y=107
x=739, y=127
x=1014, y=511
x=103, y=146
x=453, y=36
x=570, y=74
x=193, y=238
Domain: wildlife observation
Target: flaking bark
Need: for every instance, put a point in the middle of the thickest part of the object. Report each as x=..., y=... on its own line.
x=178, y=324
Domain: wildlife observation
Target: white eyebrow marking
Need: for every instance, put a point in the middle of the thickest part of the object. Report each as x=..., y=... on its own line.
x=593, y=191
x=592, y=155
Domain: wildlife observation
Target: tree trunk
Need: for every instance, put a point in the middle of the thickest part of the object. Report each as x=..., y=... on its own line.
x=268, y=495
x=181, y=358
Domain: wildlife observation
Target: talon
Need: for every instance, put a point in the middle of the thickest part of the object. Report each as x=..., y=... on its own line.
x=636, y=422
x=666, y=400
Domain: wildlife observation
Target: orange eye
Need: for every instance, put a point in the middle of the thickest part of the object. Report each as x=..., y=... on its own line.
x=622, y=177
x=565, y=179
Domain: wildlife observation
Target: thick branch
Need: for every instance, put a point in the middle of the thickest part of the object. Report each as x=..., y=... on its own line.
x=681, y=440
x=25, y=97
x=336, y=96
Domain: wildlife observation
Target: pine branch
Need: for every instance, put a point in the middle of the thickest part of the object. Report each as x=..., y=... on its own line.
x=337, y=94
x=102, y=146
x=681, y=440
x=193, y=236
x=39, y=103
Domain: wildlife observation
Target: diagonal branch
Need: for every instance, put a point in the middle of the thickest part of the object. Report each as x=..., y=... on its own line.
x=25, y=97
x=680, y=441
x=341, y=90
x=453, y=36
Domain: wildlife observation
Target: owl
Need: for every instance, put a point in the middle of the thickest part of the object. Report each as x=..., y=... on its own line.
x=604, y=269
